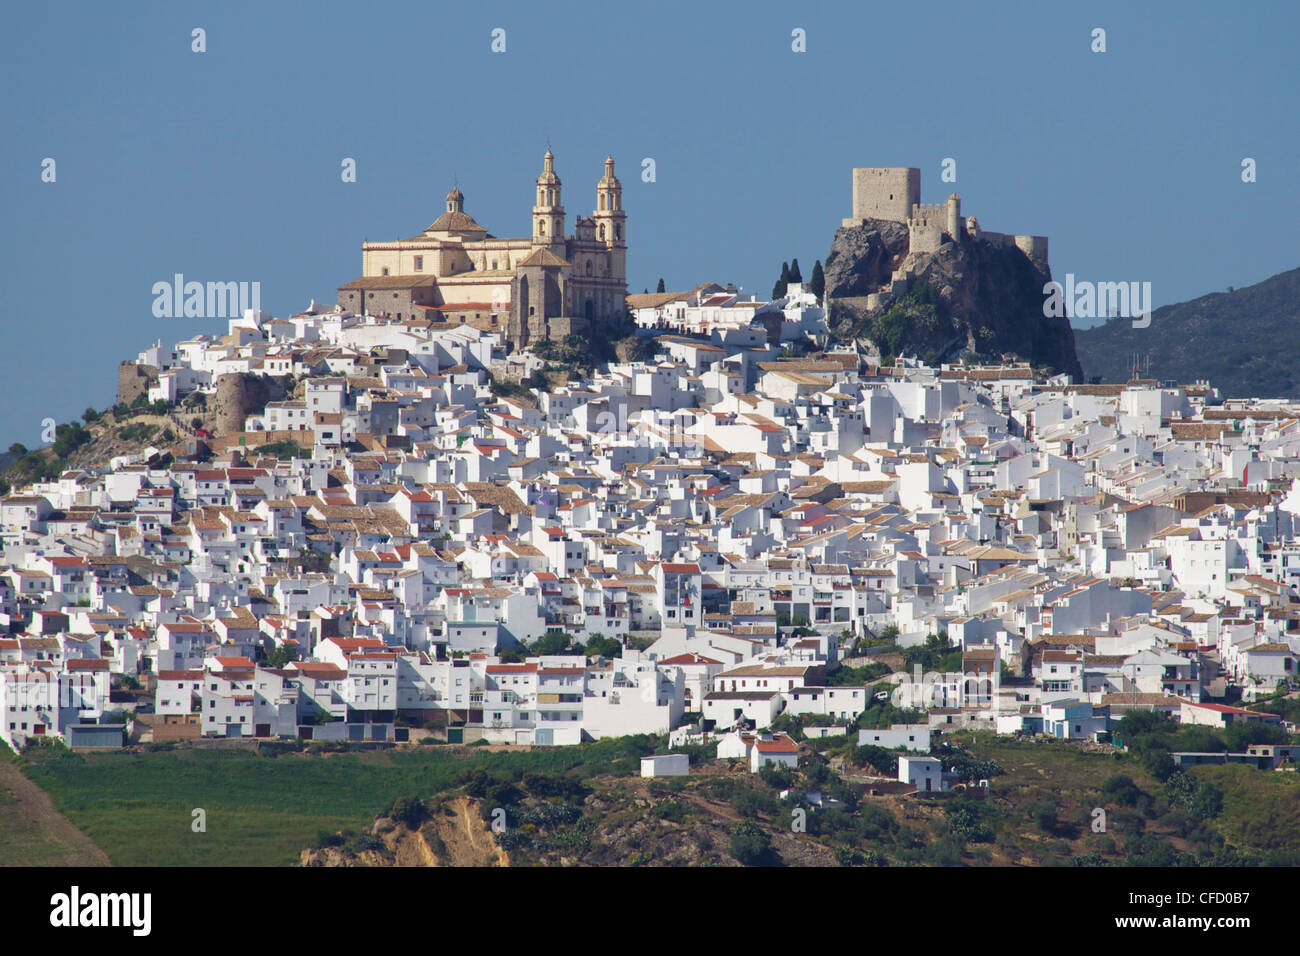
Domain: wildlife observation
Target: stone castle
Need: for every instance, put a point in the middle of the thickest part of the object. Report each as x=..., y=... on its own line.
x=894, y=195
x=545, y=286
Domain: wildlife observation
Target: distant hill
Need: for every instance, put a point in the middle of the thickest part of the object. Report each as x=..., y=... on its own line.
x=1246, y=342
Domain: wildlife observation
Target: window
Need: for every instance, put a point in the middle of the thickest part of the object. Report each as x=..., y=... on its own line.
x=419, y=263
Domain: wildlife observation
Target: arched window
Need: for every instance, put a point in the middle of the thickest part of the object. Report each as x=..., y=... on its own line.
x=588, y=267
x=618, y=232
x=541, y=227
x=602, y=230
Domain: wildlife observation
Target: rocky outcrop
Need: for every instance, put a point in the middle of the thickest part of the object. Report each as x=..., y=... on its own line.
x=969, y=297
x=862, y=258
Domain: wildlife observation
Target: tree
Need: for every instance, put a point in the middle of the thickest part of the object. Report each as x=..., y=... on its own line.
x=18, y=450
x=280, y=657
x=598, y=645
x=778, y=290
x=818, y=281
x=660, y=286
x=89, y=415
x=409, y=811
x=750, y=845
x=795, y=275
x=552, y=642
x=1242, y=735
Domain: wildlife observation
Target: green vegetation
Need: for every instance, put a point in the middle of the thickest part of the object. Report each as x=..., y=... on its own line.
x=1257, y=358
x=751, y=846
x=817, y=284
x=265, y=809
x=936, y=654
x=280, y=657
x=284, y=449
x=556, y=641
x=1288, y=708
x=138, y=431
x=504, y=388
x=586, y=804
x=46, y=464
x=580, y=352
x=908, y=325
x=855, y=676
x=778, y=290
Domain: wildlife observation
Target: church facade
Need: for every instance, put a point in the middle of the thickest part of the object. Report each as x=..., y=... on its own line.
x=544, y=286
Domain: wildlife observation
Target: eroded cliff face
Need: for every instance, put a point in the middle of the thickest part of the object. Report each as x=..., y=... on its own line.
x=970, y=296
x=863, y=257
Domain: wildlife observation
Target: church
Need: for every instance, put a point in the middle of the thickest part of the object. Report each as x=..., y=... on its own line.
x=545, y=286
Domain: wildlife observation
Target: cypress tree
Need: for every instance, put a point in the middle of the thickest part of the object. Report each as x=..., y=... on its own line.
x=794, y=271
x=660, y=287
x=818, y=280
x=778, y=290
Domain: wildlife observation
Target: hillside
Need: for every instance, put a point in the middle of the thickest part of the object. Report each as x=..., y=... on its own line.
x=434, y=805
x=1246, y=342
x=91, y=445
x=1038, y=812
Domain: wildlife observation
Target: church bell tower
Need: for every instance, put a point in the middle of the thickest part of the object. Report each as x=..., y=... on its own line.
x=548, y=213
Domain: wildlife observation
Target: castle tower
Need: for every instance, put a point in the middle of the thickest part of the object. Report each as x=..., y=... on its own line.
x=455, y=200
x=887, y=194
x=611, y=220
x=954, y=217
x=548, y=213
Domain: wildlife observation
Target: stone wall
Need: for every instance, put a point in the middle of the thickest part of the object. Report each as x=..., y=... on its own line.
x=394, y=302
x=239, y=395
x=134, y=380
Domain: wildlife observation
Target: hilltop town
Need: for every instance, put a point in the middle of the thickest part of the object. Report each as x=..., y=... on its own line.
x=722, y=541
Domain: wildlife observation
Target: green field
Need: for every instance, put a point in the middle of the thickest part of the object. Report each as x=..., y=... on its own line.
x=21, y=842
x=32, y=831
x=264, y=810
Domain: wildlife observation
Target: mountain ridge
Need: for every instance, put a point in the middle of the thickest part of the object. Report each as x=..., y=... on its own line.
x=1246, y=341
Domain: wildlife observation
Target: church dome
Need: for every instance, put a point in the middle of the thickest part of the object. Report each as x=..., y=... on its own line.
x=455, y=222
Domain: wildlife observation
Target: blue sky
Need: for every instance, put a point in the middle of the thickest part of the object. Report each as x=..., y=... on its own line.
x=225, y=165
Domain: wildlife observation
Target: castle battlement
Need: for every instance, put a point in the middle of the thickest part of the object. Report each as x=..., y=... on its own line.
x=893, y=194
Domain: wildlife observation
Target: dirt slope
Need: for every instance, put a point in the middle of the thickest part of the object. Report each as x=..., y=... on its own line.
x=33, y=833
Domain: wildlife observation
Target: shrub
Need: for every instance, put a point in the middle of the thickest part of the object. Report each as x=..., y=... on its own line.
x=750, y=845
x=409, y=811
x=671, y=810
x=1122, y=790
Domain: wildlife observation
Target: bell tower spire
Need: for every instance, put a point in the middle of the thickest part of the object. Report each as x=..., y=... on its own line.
x=548, y=213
